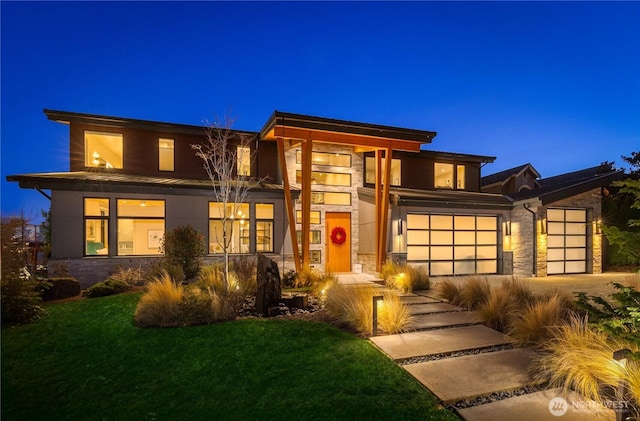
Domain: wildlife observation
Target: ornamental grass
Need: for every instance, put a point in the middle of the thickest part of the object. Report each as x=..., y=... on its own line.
x=160, y=304
x=534, y=324
x=580, y=358
x=353, y=306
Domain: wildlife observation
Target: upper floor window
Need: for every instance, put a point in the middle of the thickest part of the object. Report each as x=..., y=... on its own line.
x=449, y=176
x=243, y=154
x=326, y=178
x=327, y=158
x=396, y=171
x=103, y=150
x=165, y=154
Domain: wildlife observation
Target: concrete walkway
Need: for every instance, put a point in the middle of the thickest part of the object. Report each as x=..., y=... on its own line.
x=461, y=361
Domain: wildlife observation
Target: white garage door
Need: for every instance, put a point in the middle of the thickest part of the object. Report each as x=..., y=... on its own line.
x=453, y=244
x=566, y=241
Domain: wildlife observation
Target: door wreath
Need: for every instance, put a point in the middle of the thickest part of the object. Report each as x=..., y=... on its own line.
x=338, y=236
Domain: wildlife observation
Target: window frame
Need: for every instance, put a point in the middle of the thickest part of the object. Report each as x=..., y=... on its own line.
x=97, y=218
x=257, y=231
x=91, y=157
x=243, y=240
x=120, y=218
x=173, y=154
x=458, y=176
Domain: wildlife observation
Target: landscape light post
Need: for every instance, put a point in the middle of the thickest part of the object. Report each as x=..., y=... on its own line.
x=622, y=411
x=376, y=300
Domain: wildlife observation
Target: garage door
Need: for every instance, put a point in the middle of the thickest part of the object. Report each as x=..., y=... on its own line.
x=566, y=241
x=453, y=244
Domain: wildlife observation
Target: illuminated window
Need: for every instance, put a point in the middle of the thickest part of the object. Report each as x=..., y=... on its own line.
x=165, y=154
x=443, y=175
x=102, y=150
x=330, y=198
x=315, y=257
x=460, y=177
x=140, y=226
x=96, y=226
x=327, y=158
x=396, y=171
x=264, y=227
x=314, y=217
x=244, y=161
x=314, y=236
x=238, y=227
x=327, y=178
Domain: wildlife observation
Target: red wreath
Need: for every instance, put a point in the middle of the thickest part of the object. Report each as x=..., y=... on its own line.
x=338, y=236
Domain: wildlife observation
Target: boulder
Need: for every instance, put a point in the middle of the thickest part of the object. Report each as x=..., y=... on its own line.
x=269, y=291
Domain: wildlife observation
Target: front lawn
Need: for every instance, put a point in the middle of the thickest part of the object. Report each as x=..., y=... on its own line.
x=86, y=360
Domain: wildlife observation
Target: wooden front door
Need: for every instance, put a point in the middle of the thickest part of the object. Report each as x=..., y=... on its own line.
x=338, y=240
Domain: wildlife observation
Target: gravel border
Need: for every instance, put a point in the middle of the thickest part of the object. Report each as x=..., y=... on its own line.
x=454, y=354
x=497, y=396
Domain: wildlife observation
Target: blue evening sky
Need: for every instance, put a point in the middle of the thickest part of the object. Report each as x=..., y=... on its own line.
x=554, y=84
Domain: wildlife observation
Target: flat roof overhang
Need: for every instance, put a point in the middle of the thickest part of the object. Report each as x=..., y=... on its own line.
x=120, y=183
x=363, y=136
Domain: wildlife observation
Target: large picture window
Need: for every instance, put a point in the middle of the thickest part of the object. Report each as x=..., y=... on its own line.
x=96, y=226
x=103, y=150
x=140, y=227
x=238, y=227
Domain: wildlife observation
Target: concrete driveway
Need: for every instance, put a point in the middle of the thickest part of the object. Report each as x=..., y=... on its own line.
x=592, y=284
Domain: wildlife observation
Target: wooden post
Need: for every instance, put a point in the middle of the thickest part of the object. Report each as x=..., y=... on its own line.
x=378, y=205
x=384, y=208
x=307, y=147
x=289, y=204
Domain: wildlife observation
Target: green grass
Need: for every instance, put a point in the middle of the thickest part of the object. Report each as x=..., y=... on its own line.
x=86, y=360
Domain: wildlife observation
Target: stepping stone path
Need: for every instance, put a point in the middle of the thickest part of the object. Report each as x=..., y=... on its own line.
x=475, y=370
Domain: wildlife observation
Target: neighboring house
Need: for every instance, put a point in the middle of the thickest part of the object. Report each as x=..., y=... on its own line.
x=131, y=180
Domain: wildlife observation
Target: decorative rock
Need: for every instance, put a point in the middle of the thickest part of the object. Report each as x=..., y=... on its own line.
x=269, y=292
x=280, y=310
x=296, y=301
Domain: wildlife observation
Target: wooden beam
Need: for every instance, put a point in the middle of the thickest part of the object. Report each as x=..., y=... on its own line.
x=384, y=214
x=289, y=205
x=348, y=139
x=307, y=147
x=378, y=197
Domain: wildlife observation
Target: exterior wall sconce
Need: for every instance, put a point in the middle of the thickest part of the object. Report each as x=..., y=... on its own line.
x=543, y=226
x=400, y=227
x=377, y=300
x=622, y=412
x=597, y=226
x=507, y=228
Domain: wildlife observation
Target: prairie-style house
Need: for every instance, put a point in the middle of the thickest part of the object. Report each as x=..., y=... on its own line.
x=336, y=195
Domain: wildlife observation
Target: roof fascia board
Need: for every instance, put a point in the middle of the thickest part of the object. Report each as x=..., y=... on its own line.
x=130, y=123
x=300, y=121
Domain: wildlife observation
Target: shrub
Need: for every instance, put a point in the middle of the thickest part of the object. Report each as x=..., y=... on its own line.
x=499, y=308
x=245, y=270
x=619, y=319
x=212, y=277
x=450, y=291
x=405, y=278
x=131, y=276
x=533, y=325
x=519, y=290
x=107, y=287
x=353, y=305
x=184, y=246
x=289, y=278
x=580, y=358
x=20, y=299
x=474, y=292
x=393, y=315
x=418, y=278
x=160, y=304
x=162, y=267
x=61, y=288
